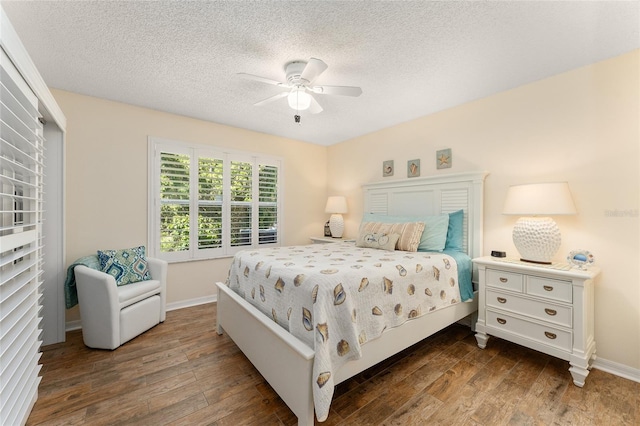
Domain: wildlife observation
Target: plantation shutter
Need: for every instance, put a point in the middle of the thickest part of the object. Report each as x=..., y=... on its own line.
x=207, y=203
x=241, y=210
x=21, y=174
x=210, y=202
x=175, y=190
x=268, y=203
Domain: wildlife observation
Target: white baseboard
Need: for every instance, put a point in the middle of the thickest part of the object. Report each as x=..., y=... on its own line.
x=617, y=369
x=192, y=302
x=76, y=325
x=72, y=325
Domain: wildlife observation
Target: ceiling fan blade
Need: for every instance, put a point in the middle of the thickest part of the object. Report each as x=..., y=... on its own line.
x=337, y=90
x=315, y=107
x=271, y=99
x=260, y=79
x=314, y=68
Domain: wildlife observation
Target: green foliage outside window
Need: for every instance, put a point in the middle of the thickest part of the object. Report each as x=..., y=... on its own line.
x=175, y=196
x=210, y=194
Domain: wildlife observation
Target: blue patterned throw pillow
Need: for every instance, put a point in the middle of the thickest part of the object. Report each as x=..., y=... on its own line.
x=126, y=266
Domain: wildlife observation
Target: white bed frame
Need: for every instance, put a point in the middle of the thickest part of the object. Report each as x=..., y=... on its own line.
x=287, y=363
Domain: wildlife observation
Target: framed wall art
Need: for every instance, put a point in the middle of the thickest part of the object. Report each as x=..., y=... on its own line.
x=443, y=158
x=387, y=168
x=413, y=168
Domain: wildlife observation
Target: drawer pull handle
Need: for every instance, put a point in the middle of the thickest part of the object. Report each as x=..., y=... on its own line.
x=548, y=287
x=551, y=312
x=502, y=300
x=503, y=280
x=550, y=335
x=502, y=321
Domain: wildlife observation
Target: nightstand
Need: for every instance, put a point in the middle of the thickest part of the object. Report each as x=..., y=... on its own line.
x=548, y=308
x=327, y=240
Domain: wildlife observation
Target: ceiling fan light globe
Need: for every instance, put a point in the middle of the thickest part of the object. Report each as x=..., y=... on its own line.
x=299, y=100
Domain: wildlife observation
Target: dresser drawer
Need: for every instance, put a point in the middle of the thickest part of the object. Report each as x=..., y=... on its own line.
x=550, y=289
x=506, y=280
x=547, y=335
x=545, y=311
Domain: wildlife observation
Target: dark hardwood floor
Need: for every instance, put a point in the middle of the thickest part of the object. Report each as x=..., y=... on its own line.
x=182, y=373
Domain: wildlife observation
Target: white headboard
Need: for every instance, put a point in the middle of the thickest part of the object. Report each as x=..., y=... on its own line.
x=433, y=195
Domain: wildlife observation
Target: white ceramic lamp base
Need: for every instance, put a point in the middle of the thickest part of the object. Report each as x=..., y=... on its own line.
x=537, y=239
x=336, y=225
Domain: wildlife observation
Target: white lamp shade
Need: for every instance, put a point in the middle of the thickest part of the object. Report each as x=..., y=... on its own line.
x=539, y=199
x=299, y=99
x=336, y=204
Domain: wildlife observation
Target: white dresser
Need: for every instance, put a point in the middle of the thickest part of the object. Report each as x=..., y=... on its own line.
x=546, y=308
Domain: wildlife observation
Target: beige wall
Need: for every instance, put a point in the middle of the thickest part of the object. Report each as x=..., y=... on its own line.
x=581, y=127
x=107, y=189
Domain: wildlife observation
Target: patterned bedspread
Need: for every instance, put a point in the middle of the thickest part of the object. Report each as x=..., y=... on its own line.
x=336, y=297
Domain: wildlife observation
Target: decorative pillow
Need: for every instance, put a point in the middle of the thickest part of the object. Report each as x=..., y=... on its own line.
x=126, y=266
x=378, y=241
x=455, y=232
x=434, y=236
x=410, y=232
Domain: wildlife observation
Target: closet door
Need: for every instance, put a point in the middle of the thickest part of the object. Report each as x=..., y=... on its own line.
x=21, y=174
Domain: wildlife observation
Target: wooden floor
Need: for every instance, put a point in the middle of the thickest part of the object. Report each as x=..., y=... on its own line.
x=182, y=373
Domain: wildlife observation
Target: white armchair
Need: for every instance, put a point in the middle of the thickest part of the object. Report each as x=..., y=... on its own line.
x=112, y=315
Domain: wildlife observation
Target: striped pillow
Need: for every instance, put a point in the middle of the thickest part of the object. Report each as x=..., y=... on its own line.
x=410, y=233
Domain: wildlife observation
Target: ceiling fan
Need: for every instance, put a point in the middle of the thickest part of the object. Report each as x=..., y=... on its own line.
x=300, y=76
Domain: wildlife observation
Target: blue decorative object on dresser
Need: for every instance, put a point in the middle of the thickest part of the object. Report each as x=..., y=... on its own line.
x=580, y=259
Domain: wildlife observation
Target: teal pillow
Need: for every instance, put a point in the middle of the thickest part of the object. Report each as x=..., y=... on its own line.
x=455, y=232
x=126, y=266
x=434, y=236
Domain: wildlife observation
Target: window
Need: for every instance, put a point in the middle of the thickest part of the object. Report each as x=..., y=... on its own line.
x=207, y=202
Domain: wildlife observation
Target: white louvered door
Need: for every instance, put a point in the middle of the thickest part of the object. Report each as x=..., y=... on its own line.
x=21, y=174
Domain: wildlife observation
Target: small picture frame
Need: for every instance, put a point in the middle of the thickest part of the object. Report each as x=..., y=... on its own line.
x=443, y=158
x=580, y=259
x=413, y=168
x=387, y=168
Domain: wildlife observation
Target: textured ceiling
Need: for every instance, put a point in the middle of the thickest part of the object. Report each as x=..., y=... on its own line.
x=410, y=58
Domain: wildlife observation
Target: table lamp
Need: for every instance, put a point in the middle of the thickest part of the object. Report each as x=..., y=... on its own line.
x=536, y=235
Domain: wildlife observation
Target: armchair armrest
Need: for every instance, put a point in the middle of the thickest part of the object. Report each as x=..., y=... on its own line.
x=99, y=308
x=158, y=271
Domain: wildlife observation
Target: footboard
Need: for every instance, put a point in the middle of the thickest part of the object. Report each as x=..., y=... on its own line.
x=282, y=359
x=287, y=363
x=411, y=332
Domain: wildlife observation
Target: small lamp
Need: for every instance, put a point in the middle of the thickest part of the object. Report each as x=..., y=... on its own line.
x=537, y=236
x=336, y=206
x=299, y=99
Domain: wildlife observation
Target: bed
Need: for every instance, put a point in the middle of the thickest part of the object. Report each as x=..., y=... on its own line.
x=286, y=361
